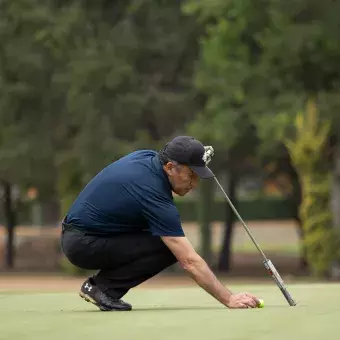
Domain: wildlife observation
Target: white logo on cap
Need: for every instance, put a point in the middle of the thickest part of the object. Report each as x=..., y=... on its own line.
x=208, y=153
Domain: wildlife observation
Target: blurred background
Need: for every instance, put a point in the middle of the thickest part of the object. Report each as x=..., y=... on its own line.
x=85, y=82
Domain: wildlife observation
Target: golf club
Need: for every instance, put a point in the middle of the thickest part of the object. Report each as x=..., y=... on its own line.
x=267, y=263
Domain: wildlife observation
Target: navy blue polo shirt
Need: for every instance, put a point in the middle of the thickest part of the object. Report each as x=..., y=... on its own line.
x=131, y=194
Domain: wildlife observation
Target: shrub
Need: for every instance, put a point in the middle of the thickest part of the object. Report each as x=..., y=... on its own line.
x=307, y=151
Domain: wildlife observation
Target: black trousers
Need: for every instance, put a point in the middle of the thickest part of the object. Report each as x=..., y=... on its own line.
x=123, y=261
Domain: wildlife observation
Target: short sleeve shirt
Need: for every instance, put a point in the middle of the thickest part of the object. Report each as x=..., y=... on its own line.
x=131, y=194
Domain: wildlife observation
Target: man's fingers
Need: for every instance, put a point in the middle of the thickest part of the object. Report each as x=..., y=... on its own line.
x=253, y=303
x=254, y=298
x=246, y=303
x=245, y=300
x=250, y=302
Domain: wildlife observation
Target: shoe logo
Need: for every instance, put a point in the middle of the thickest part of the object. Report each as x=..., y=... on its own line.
x=88, y=287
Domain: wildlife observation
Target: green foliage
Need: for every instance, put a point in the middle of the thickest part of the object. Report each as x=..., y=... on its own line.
x=261, y=59
x=219, y=75
x=259, y=62
x=307, y=151
x=83, y=83
x=69, y=182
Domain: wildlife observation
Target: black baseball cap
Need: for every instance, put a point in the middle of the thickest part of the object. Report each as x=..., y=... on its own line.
x=188, y=151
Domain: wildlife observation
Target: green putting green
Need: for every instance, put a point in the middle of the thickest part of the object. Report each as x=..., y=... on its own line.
x=183, y=313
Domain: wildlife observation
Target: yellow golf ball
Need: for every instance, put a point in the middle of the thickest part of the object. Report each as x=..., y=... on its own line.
x=261, y=304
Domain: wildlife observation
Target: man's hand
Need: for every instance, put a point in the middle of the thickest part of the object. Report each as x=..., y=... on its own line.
x=201, y=273
x=242, y=300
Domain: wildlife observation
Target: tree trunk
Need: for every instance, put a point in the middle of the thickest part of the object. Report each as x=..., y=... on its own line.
x=206, y=199
x=295, y=200
x=303, y=254
x=224, y=264
x=10, y=224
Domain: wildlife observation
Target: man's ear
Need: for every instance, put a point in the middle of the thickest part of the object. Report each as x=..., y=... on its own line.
x=169, y=168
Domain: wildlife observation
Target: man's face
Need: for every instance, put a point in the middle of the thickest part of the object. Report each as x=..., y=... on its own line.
x=181, y=177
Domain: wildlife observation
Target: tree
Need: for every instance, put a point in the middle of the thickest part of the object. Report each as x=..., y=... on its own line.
x=307, y=150
x=24, y=125
x=83, y=83
x=267, y=58
x=223, y=122
x=127, y=86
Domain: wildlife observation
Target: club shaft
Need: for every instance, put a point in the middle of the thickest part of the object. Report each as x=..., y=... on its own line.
x=241, y=220
x=267, y=263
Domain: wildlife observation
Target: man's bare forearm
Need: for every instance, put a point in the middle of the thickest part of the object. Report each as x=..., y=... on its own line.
x=206, y=279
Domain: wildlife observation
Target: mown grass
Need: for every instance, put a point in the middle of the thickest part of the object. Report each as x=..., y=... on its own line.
x=174, y=313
